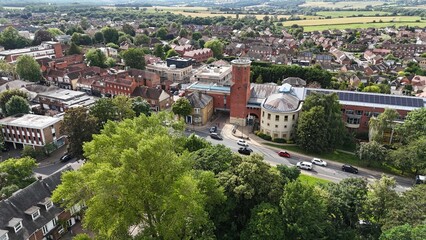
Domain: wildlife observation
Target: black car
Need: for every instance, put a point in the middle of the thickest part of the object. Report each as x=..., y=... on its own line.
x=245, y=150
x=349, y=168
x=213, y=129
x=66, y=157
x=216, y=136
x=420, y=179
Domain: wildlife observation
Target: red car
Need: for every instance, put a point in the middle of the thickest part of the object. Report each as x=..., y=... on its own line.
x=284, y=154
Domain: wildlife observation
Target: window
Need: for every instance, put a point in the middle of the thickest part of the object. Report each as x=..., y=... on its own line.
x=35, y=214
x=349, y=111
x=276, y=126
x=17, y=227
x=285, y=126
x=49, y=205
x=277, y=118
x=294, y=116
x=358, y=112
x=44, y=229
x=285, y=118
x=352, y=120
x=263, y=114
x=196, y=110
x=269, y=116
x=267, y=124
x=4, y=237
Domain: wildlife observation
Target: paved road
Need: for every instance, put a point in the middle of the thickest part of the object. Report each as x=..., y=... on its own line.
x=332, y=172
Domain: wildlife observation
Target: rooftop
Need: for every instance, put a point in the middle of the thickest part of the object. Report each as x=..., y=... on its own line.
x=29, y=120
x=62, y=94
x=209, y=87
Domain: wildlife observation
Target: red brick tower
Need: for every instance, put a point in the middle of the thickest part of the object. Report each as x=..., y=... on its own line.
x=240, y=91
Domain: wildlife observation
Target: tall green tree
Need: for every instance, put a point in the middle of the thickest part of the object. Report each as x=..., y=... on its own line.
x=7, y=95
x=79, y=126
x=171, y=53
x=103, y=110
x=134, y=175
x=127, y=29
x=194, y=143
x=134, y=58
x=141, y=106
x=216, y=46
x=159, y=51
x=372, y=152
x=182, y=107
x=162, y=33
x=95, y=57
x=16, y=105
x=8, y=69
x=28, y=69
x=123, y=107
x=266, y=222
x=110, y=34
x=327, y=127
x=10, y=39
x=99, y=37
x=413, y=126
x=215, y=158
x=55, y=32
x=74, y=49
x=405, y=232
x=141, y=39
x=41, y=36
x=412, y=157
x=384, y=122
x=16, y=174
x=304, y=211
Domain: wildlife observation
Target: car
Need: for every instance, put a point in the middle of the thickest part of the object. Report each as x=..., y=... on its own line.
x=181, y=94
x=66, y=157
x=176, y=93
x=349, y=168
x=304, y=165
x=319, y=162
x=245, y=150
x=243, y=143
x=216, y=136
x=420, y=179
x=213, y=129
x=284, y=154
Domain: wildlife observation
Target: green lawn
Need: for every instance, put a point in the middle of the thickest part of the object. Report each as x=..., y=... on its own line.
x=310, y=180
x=337, y=156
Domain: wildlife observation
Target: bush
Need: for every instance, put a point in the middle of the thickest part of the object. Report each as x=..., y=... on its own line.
x=264, y=136
x=280, y=140
x=28, y=151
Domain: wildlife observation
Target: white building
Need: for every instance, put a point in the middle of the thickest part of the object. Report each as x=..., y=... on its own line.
x=221, y=75
x=279, y=113
x=171, y=72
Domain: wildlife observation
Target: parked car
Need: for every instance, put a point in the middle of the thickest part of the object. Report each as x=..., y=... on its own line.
x=319, y=162
x=304, y=165
x=181, y=94
x=243, y=143
x=213, y=129
x=349, y=168
x=245, y=150
x=216, y=136
x=176, y=93
x=66, y=157
x=420, y=179
x=284, y=154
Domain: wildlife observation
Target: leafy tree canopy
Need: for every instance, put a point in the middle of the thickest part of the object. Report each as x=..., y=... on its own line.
x=28, y=69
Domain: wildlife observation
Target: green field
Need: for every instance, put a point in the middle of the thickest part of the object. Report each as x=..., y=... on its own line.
x=363, y=25
x=336, y=14
x=311, y=180
x=342, y=5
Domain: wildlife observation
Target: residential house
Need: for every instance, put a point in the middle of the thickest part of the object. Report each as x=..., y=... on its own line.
x=156, y=97
x=30, y=213
x=418, y=83
x=202, y=108
x=199, y=55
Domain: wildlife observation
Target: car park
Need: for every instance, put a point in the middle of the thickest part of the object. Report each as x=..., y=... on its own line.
x=245, y=150
x=216, y=136
x=284, y=154
x=304, y=165
x=243, y=143
x=349, y=168
x=66, y=157
x=319, y=162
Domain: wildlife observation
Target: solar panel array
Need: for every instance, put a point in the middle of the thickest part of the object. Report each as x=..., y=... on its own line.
x=375, y=98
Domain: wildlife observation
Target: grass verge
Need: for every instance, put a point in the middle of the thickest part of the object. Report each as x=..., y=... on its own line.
x=340, y=157
x=310, y=180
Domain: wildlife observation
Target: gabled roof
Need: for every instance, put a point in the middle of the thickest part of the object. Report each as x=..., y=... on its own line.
x=14, y=207
x=199, y=100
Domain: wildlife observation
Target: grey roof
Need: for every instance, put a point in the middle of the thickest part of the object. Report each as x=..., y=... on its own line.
x=295, y=81
x=199, y=100
x=12, y=209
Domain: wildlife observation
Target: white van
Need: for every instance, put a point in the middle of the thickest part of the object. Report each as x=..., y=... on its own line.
x=304, y=165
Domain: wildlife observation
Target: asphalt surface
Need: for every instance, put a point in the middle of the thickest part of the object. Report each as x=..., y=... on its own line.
x=332, y=172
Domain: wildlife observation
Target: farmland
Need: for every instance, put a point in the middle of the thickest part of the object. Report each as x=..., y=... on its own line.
x=342, y=5
x=363, y=25
x=336, y=14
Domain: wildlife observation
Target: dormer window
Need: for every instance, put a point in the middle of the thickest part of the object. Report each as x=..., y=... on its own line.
x=16, y=224
x=47, y=203
x=3, y=235
x=34, y=212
